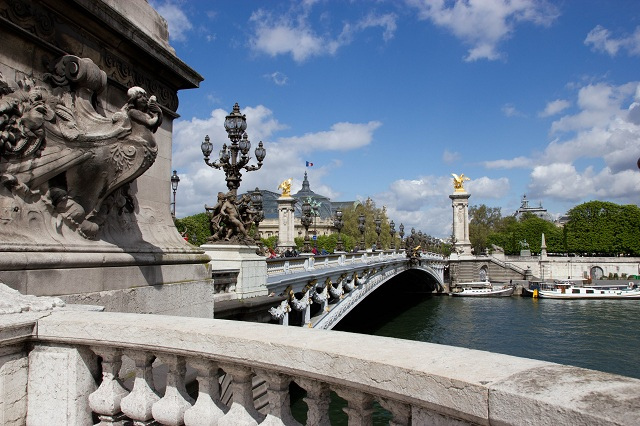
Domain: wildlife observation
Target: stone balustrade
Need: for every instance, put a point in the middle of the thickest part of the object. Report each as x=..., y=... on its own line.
x=74, y=372
x=292, y=265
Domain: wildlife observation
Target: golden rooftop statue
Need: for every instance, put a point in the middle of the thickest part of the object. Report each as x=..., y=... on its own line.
x=286, y=187
x=458, y=182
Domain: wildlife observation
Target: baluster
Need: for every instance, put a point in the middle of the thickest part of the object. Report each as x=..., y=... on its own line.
x=279, y=400
x=137, y=405
x=318, y=399
x=105, y=401
x=359, y=408
x=208, y=409
x=243, y=411
x=401, y=412
x=169, y=410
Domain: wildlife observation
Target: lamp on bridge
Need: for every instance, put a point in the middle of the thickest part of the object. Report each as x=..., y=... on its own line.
x=361, y=228
x=392, y=231
x=175, y=180
x=378, y=222
x=306, y=221
x=226, y=222
x=235, y=124
x=338, y=224
x=401, y=233
x=256, y=202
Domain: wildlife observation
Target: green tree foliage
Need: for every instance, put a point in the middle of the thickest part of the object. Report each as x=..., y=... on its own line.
x=529, y=228
x=327, y=243
x=270, y=241
x=600, y=227
x=594, y=228
x=368, y=208
x=195, y=228
x=483, y=221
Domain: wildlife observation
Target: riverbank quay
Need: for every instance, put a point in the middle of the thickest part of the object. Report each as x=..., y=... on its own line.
x=59, y=367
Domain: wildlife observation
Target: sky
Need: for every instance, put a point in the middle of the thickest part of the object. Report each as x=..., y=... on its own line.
x=388, y=98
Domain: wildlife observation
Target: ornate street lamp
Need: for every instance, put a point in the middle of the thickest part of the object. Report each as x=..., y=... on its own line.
x=338, y=224
x=235, y=124
x=306, y=221
x=256, y=202
x=392, y=231
x=378, y=222
x=401, y=233
x=175, y=180
x=361, y=228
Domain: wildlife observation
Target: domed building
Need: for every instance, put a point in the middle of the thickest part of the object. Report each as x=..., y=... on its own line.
x=324, y=211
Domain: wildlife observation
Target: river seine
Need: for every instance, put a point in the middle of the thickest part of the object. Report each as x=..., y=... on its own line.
x=596, y=334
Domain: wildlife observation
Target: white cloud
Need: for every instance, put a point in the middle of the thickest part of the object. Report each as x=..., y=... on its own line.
x=599, y=103
x=483, y=24
x=386, y=21
x=278, y=78
x=601, y=40
x=420, y=203
x=563, y=181
x=450, y=157
x=514, y=163
x=510, y=110
x=293, y=34
x=341, y=137
x=285, y=156
x=485, y=187
x=179, y=23
x=555, y=107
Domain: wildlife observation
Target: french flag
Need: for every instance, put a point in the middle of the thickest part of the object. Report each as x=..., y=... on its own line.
x=309, y=164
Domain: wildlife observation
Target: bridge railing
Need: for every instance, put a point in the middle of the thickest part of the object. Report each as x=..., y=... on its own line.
x=415, y=383
x=305, y=263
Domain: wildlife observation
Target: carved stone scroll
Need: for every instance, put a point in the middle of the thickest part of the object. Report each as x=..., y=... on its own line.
x=64, y=166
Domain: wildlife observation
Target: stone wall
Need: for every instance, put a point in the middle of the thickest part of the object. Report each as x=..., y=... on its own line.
x=135, y=245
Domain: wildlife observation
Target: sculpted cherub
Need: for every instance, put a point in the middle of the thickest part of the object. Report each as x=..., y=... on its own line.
x=286, y=187
x=458, y=182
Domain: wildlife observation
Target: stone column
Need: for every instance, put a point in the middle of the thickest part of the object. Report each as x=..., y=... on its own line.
x=460, y=204
x=286, y=222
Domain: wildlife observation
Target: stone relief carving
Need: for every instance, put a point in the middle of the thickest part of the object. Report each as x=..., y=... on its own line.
x=63, y=162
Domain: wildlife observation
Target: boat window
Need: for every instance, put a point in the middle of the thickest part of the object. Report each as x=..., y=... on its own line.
x=575, y=290
x=590, y=291
x=601, y=291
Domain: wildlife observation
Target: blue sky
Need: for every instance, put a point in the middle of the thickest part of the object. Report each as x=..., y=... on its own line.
x=387, y=98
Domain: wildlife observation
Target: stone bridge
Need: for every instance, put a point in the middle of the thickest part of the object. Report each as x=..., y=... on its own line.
x=318, y=291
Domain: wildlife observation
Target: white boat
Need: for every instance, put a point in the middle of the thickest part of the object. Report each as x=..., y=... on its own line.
x=568, y=290
x=481, y=289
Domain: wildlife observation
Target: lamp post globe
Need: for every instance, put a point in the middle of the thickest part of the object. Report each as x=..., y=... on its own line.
x=392, y=232
x=338, y=223
x=378, y=222
x=175, y=180
x=306, y=221
x=361, y=228
x=235, y=157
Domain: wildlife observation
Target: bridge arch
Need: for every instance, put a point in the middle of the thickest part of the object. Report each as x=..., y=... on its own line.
x=321, y=291
x=596, y=272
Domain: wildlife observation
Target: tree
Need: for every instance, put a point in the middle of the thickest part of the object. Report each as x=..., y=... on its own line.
x=483, y=221
x=368, y=208
x=601, y=227
x=510, y=232
x=195, y=228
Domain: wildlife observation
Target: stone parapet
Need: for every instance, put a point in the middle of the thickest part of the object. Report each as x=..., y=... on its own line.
x=416, y=382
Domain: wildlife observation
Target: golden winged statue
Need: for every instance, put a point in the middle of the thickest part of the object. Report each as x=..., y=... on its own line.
x=286, y=187
x=458, y=182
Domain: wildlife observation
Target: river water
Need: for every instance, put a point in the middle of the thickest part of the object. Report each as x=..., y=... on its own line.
x=596, y=334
